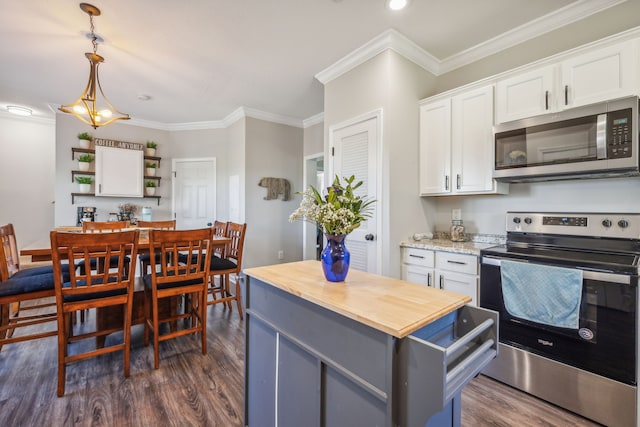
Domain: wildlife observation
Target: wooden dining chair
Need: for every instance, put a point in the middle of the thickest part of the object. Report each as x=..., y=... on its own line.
x=93, y=289
x=102, y=227
x=145, y=258
x=230, y=263
x=176, y=278
x=23, y=291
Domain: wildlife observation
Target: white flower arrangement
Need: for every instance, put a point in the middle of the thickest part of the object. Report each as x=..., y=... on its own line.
x=340, y=211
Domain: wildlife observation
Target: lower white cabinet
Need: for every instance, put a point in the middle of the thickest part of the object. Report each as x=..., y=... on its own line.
x=457, y=273
x=418, y=266
x=451, y=271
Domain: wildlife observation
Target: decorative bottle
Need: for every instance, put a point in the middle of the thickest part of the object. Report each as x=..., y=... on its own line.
x=457, y=231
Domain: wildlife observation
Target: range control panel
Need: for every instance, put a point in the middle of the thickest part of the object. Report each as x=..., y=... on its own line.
x=621, y=225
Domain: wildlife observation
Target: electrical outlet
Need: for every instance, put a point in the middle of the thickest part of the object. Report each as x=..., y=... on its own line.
x=456, y=214
x=280, y=254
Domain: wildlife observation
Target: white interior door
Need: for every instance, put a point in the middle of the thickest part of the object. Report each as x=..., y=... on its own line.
x=194, y=192
x=355, y=152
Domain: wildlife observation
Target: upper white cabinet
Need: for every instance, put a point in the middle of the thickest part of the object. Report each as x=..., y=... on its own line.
x=119, y=172
x=600, y=75
x=525, y=95
x=456, y=145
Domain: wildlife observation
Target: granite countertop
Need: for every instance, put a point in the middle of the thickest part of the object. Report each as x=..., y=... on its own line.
x=389, y=305
x=442, y=243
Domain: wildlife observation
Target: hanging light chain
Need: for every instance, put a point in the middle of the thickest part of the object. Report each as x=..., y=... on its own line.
x=94, y=39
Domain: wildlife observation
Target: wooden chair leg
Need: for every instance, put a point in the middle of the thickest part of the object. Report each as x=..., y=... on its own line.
x=147, y=318
x=156, y=334
x=64, y=323
x=203, y=320
x=239, y=298
x=127, y=337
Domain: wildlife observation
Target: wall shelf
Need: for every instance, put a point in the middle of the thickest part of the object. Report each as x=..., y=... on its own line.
x=84, y=173
x=75, y=150
x=92, y=194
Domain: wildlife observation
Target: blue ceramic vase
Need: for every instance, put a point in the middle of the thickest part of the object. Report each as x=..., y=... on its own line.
x=335, y=258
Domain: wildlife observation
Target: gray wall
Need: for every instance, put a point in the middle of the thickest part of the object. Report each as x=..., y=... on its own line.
x=200, y=144
x=27, y=177
x=313, y=139
x=272, y=150
x=391, y=83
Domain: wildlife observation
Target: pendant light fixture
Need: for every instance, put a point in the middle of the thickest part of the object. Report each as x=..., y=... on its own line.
x=93, y=107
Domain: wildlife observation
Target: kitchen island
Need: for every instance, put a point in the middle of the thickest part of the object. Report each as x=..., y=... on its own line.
x=368, y=351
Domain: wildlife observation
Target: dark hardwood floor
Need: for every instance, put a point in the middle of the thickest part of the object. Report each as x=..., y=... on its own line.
x=190, y=389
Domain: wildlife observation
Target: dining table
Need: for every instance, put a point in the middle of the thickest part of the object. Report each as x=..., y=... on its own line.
x=111, y=317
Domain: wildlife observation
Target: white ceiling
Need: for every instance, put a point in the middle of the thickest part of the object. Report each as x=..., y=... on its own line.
x=201, y=60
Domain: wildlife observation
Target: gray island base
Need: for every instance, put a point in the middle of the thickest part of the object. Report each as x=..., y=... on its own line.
x=371, y=351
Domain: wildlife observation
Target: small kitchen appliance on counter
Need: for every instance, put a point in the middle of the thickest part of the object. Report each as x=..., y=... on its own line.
x=86, y=213
x=566, y=288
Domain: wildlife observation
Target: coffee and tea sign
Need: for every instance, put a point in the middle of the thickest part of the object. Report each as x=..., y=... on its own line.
x=118, y=144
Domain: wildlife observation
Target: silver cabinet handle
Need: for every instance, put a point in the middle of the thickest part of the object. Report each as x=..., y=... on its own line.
x=546, y=99
x=458, y=181
x=456, y=262
x=446, y=182
x=441, y=282
x=429, y=280
x=416, y=256
x=566, y=94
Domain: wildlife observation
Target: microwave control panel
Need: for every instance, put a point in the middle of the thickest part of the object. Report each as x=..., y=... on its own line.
x=619, y=134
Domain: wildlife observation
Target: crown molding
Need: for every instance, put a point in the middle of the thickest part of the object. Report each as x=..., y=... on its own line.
x=567, y=15
x=392, y=39
x=389, y=39
x=233, y=117
x=313, y=120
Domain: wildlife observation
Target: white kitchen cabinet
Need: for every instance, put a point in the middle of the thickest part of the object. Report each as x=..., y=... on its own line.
x=525, y=95
x=119, y=172
x=418, y=266
x=457, y=273
x=603, y=74
x=456, y=145
x=435, y=147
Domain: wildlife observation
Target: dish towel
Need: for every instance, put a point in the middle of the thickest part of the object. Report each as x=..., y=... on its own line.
x=542, y=294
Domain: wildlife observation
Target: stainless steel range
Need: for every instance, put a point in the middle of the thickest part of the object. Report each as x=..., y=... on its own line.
x=566, y=288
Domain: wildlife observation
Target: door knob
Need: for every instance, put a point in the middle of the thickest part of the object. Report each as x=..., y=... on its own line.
x=369, y=237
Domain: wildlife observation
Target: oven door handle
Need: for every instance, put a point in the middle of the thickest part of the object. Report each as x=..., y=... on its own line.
x=588, y=275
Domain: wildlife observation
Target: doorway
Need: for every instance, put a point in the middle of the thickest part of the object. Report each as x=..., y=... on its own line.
x=194, y=192
x=311, y=233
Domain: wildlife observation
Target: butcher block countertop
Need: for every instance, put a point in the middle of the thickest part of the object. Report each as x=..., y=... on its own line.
x=389, y=305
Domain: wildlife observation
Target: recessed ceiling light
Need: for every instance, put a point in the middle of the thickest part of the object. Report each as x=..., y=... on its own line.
x=397, y=4
x=20, y=111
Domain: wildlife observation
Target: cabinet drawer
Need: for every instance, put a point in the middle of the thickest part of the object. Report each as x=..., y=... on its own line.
x=460, y=263
x=437, y=361
x=415, y=256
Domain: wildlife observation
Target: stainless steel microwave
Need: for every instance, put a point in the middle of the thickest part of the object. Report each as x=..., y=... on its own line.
x=598, y=140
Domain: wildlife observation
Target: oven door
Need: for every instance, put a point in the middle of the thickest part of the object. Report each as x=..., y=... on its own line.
x=604, y=343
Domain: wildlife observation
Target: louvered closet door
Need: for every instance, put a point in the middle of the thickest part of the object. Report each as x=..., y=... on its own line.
x=355, y=153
